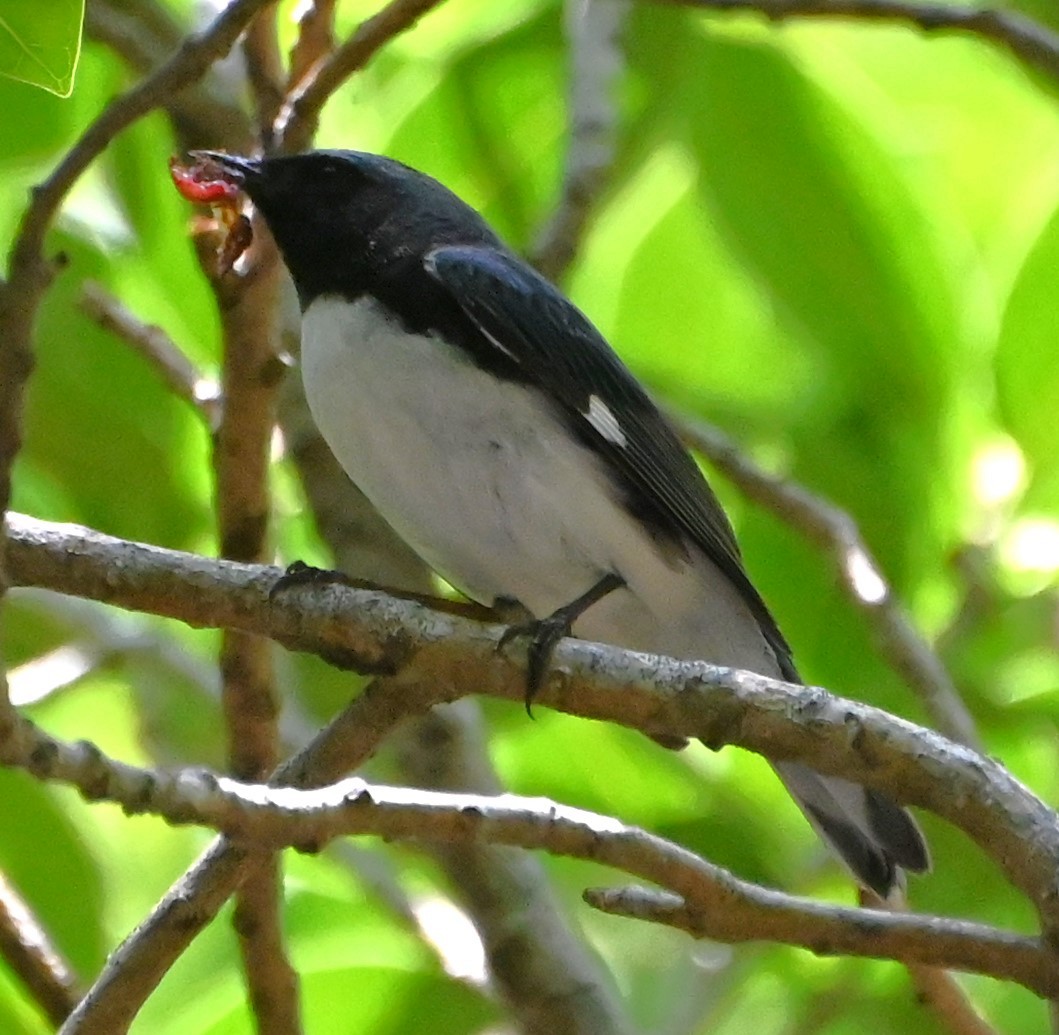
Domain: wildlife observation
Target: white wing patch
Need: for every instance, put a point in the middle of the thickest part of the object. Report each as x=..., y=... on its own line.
x=603, y=420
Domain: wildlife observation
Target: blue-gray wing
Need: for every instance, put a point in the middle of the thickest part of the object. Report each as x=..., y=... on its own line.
x=554, y=346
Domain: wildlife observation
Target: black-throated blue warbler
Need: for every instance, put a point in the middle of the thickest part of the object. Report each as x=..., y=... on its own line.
x=495, y=429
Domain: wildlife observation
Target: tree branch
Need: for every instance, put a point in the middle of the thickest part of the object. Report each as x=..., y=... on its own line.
x=593, y=30
x=1029, y=41
x=709, y=901
x=836, y=930
x=301, y=114
x=938, y=990
x=316, y=40
x=433, y=656
x=250, y=375
x=264, y=72
x=157, y=348
x=29, y=952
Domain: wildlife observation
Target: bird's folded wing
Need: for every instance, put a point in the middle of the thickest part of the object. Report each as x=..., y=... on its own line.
x=556, y=347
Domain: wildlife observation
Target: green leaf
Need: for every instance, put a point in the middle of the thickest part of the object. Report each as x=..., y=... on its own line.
x=374, y=1001
x=40, y=45
x=717, y=327
x=820, y=217
x=19, y=1015
x=111, y=398
x=501, y=106
x=391, y=1002
x=61, y=881
x=825, y=223
x=1027, y=361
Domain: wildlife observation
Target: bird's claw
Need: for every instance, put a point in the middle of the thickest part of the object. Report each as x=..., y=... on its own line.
x=543, y=635
x=298, y=573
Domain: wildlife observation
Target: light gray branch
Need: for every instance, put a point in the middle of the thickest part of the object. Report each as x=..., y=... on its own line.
x=596, y=61
x=154, y=345
x=708, y=900
x=431, y=656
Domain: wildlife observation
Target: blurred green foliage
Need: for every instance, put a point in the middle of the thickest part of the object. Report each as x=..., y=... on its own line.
x=838, y=242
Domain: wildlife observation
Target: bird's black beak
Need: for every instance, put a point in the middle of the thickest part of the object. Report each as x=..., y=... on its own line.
x=238, y=168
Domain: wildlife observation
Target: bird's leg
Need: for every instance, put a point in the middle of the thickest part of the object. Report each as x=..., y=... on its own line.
x=545, y=633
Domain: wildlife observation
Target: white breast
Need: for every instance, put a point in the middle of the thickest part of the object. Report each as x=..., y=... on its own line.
x=483, y=481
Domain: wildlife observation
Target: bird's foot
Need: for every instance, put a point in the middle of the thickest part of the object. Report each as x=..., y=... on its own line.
x=543, y=634
x=298, y=573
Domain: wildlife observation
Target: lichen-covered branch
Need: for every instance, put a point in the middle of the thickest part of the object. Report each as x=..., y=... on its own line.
x=431, y=656
x=707, y=900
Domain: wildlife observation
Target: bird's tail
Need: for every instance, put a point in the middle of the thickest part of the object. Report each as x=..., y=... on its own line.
x=876, y=838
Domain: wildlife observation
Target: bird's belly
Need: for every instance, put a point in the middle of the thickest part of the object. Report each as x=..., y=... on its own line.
x=480, y=477
x=469, y=470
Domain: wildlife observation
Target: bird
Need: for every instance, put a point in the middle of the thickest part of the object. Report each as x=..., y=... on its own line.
x=492, y=425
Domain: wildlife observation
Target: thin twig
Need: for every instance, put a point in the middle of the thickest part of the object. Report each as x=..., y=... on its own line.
x=29, y=952
x=298, y=121
x=1031, y=42
x=937, y=988
x=859, y=573
x=315, y=42
x=251, y=373
x=593, y=29
x=154, y=345
x=264, y=72
x=934, y=986
x=771, y=911
x=700, y=896
x=271, y=980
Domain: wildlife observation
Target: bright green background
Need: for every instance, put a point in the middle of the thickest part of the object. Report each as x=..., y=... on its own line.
x=840, y=243
x=42, y=51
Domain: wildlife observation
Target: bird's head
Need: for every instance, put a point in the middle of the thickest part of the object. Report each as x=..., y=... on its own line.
x=341, y=218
